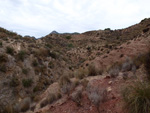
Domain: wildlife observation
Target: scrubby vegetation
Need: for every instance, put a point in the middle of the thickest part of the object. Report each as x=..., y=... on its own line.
x=29, y=66
x=10, y=50
x=65, y=84
x=21, y=55
x=137, y=98
x=27, y=82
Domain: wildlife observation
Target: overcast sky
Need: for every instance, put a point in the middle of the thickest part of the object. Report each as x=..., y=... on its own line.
x=39, y=17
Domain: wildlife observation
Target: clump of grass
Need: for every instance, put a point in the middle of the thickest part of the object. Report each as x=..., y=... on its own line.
x=25, y=71
x=92, y=70
x=10, y=50
x=139, y=60
x=35, y=63
x=127, y=65
x=137, y=98
x=25, y=104
x=80, y=73
x=65, y=84
x=114, y=69
x=27, y=82
x=76, y=96
x=7, y=109
x=50, y=99
x=84, y=83
x=96, y=95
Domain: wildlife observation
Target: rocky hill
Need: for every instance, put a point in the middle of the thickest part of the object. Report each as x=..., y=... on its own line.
x=72, y=73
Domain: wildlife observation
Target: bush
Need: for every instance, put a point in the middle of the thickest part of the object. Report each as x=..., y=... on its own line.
x=7, y=109
x=27, y=82
x=147, y=65
x=25, y=104
x=14, y=82
x=68, y=37
x=65, y=84
x=80, y=73
x=137, y=98
x=53, y=55
x=70, y=45
x=76, y=96
x=3, y=58
x=127, y=65
x=84, y=83
x=3, y=68
x=92, y=70
x=114, y=70
x=35, y=63
x=96, y=95
x=1, y=44
x=25, y=71
x=21, y=55
x=50, y=99
x=10, y=50
x=139, y=60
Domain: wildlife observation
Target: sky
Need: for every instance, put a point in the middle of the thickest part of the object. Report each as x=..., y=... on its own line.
x=39, y=17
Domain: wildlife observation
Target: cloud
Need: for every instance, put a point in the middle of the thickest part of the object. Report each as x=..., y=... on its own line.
x=40, y=17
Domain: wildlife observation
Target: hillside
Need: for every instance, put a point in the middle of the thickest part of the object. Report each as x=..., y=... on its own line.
x=71, y=73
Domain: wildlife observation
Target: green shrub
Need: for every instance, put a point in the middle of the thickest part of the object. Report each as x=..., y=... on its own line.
x=27, y=82
x=137, y=98
x=53, y=55
x=70, y=45
x=25, y=71
x=14, y=82
x=3, y=58
x=68, y=37
x=35, y=63
x=48, y=45
x=10, y=50
x=21, y=55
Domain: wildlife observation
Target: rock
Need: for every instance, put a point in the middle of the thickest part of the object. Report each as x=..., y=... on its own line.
x=110, y=82
x=109, y=89
x=107, y=77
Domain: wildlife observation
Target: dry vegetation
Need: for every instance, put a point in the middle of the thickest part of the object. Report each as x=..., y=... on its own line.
x=28, y=66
